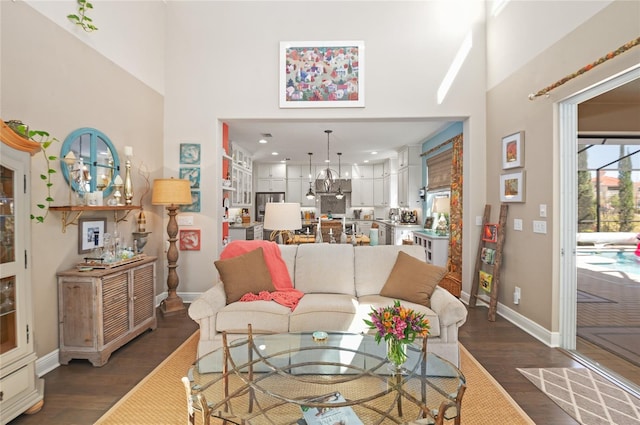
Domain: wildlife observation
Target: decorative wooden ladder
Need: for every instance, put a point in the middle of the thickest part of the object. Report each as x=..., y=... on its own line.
x=495, y=284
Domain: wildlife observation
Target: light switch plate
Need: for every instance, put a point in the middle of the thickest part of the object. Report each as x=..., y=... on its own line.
x=543, y=210
x=539, y=226
x=478, y=220
x=185, y=220
x=517, y=224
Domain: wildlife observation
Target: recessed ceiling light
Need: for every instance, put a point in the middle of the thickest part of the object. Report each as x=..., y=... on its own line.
x=262, y=141
x=274, y=153
x=374, y=153
x=365, y=161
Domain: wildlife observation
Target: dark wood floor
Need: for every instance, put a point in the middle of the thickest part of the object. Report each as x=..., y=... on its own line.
x=79, y=393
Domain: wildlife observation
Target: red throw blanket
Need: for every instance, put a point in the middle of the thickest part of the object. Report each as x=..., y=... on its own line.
x=285, y=294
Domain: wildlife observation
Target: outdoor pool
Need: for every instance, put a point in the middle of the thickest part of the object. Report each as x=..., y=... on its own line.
x=623, y=261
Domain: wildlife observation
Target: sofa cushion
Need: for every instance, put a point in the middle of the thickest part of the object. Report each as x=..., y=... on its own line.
x=264, y=317
x=244, y=273
x=325, y=268
x=377, y=301
x=373, y=265
x=325, y=312
x=412, y=280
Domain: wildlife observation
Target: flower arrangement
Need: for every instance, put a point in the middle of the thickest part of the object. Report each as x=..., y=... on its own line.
x=398, y=326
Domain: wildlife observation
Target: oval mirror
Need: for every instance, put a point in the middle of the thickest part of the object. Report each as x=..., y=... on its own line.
x=89, y=161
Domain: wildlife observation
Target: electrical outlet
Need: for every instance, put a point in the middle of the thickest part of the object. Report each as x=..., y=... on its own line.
x=516, y=295
x=517, y=224
x=478, y=220
x=539, y=226
x=185, y=220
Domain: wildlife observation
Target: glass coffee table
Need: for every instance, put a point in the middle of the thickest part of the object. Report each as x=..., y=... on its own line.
x=321, y=378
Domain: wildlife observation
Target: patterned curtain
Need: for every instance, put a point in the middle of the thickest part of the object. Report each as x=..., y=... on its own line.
x=454, y=263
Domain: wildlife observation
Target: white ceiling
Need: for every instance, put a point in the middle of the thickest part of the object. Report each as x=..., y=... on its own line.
x=355, y=139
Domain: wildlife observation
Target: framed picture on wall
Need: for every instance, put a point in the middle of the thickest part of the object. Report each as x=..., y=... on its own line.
x=321, y=74
x=189, y=239
x=512, y=187
x=91, y=234
x=513, y=151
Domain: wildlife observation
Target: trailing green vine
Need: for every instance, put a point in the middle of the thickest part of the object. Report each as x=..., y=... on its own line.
x=81, y=19
x=45, y=140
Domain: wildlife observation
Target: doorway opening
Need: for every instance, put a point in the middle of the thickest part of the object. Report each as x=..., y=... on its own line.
x=581, y=280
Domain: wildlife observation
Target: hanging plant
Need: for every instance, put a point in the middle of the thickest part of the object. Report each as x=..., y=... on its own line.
x=45, y=140
x=81, y=18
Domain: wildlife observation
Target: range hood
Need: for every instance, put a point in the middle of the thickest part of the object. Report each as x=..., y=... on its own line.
x=345, y=184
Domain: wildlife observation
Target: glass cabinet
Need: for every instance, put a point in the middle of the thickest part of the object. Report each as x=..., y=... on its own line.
x=20, y=389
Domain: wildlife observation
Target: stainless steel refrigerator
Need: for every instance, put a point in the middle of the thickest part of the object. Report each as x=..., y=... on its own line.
x=261, y=200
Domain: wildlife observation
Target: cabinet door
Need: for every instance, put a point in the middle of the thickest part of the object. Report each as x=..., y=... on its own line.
x=115, y=306
x=294, y=190
x=378, y=192
x=143, y=293
x=77, y=314
x=403, y=179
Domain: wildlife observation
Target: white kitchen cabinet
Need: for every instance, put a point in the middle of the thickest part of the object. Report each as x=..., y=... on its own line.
x=362, y=172
x=362, y=192
x=272, y=171
x=241, y=177
x=272, y=185
x=297, y=190
x=20, y=389
x=409, y=183
x=436, y=248
x=246, y=232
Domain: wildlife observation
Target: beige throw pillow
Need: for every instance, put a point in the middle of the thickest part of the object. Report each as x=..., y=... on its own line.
x=412, y=280
x=243, y=274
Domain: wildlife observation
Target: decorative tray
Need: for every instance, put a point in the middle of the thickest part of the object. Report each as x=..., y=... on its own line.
x=95, y=263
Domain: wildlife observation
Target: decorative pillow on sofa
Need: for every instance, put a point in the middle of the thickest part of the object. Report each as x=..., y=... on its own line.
x=243, y=274
x=412, y=280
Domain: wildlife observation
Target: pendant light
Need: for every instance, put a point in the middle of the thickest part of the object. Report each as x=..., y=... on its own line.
x=339, y=194
x=310, y=195
x=329, y=175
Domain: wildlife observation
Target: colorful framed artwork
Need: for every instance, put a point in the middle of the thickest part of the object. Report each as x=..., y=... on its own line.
x=189, y=239
x=512, y=187
x=321, y=74
x=486, y=279
x=513, y=151
x=190, y=153
x=490, y=233
x=488, y=255
x=195, y=203
x=192, y=174
x=91, y=234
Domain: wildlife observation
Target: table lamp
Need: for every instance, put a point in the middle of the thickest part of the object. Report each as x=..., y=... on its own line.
x=441, y=207
x=282, y=218
x=172, y=193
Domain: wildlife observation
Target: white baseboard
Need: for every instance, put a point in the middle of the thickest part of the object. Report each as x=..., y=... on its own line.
x=47, y=363
x=551, y=339
x=187, y=297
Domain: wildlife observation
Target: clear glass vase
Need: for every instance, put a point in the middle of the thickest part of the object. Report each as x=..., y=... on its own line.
x=396, y=352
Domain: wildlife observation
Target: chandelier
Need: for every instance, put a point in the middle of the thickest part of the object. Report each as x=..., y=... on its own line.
x=328, y=176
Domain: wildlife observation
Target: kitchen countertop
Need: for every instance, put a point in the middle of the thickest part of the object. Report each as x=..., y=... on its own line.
x=243, y=225
x=398, y=224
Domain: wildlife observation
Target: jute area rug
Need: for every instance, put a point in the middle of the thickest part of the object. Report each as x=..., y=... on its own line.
x=160, y=397
x=589, y=398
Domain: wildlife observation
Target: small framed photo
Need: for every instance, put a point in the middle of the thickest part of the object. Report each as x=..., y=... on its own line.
x=488, y=256
x=321, y=74
x=490, y=233
x=513, y=151
x=512, y=187
x=189, y=239
x=91, y=234
x=190, y=153
x=486, y=279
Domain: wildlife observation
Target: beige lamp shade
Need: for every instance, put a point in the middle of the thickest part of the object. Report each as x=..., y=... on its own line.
x=282, y=216
x=171, y=192
x=441, y=205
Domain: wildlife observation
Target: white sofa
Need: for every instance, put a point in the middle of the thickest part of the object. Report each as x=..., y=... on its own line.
x=340, y=283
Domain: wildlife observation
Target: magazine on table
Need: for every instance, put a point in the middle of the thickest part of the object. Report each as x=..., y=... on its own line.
x=344, y=415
